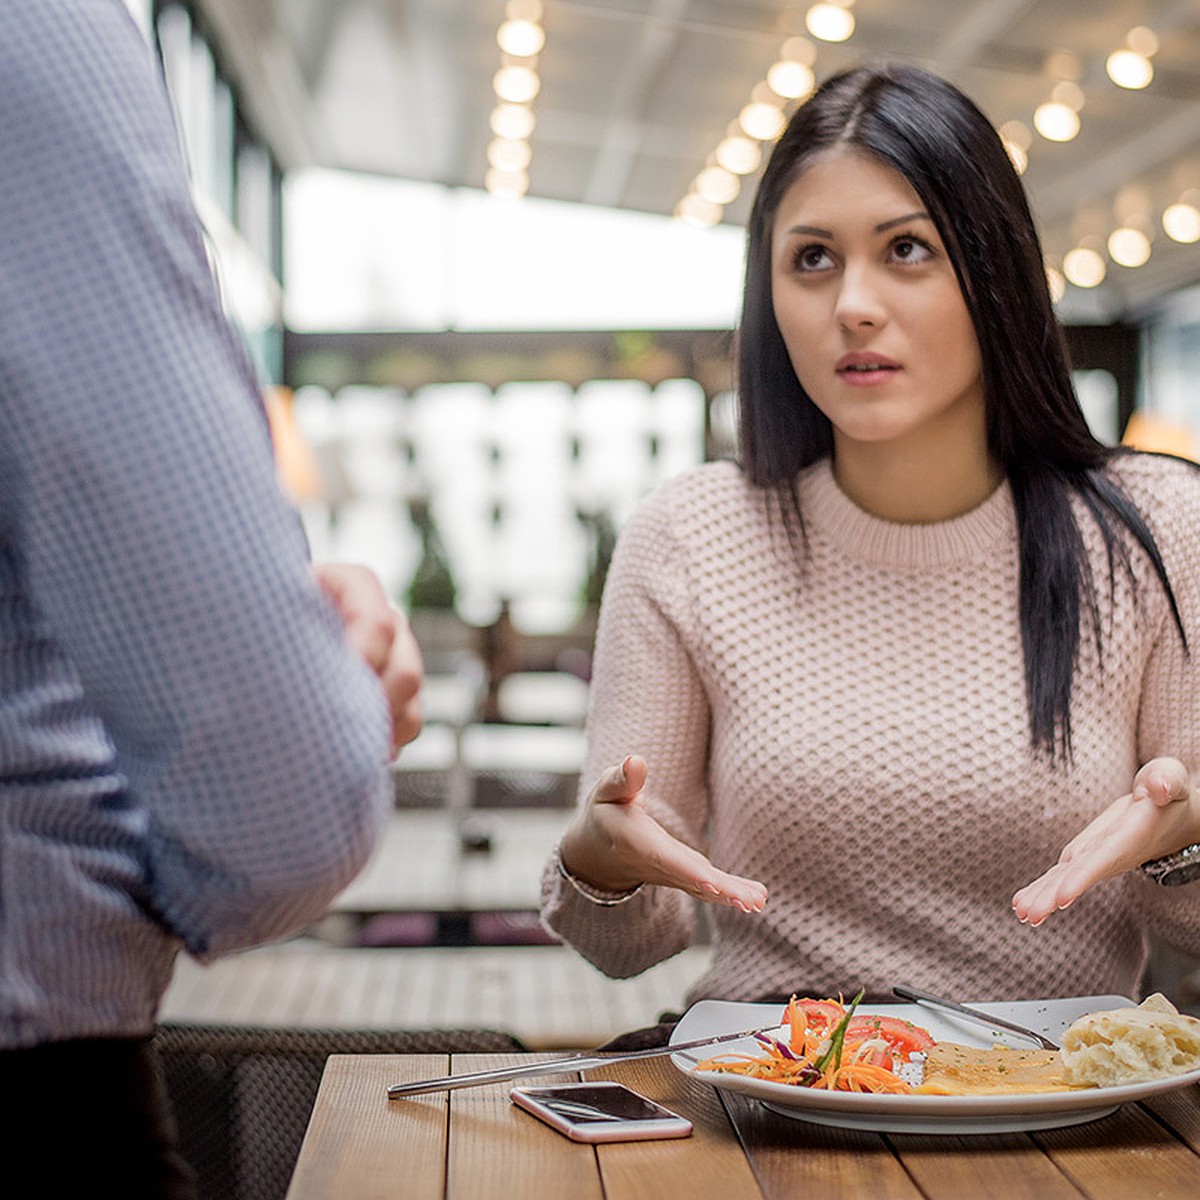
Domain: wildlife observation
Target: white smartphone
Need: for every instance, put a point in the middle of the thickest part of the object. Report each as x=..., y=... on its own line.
x=601, y=1112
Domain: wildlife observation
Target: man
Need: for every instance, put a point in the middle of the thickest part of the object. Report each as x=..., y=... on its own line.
x=192, y=752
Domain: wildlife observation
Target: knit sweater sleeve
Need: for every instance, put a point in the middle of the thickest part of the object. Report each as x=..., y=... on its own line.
x=1169, y=722
x=647, y=698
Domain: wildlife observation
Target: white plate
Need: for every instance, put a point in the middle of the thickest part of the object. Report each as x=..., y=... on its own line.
x=914, y=1113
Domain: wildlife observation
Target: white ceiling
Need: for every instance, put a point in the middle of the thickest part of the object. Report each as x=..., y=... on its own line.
x=636, y=94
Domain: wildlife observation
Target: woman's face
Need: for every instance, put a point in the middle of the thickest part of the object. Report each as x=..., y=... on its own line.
x=870, y=309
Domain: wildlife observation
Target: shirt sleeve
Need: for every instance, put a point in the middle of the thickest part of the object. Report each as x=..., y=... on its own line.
x=647, y=698
x=1170, y=718
x=180, y=665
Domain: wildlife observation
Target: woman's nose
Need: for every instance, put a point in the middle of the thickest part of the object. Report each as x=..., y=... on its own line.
x=859, y=302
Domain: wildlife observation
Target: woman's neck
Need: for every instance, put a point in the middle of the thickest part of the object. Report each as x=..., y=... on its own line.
x=918, y=485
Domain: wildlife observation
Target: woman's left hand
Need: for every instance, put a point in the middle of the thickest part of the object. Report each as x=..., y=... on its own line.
x=1158, y=816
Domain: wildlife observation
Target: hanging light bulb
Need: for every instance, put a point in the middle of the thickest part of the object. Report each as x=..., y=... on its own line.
x=516, y=84
x=739, y=154
x=513, y=121
x=508, y=184
x=1055, y=121
x=791, y=80
x=718, y=185
x=695, y=210
x=763, y=122
x=1056, y=283
x=829, y=22
x=507, y=155
x=521, y=38
x=1084, y=267
x=1128, y=247
x=1181, y=222
x=1128, y=69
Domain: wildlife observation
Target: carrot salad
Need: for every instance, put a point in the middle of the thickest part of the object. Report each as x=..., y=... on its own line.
x=831, y=1047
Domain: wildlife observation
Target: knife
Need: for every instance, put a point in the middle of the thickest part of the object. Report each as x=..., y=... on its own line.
x=574, y=1062
x=975, y=1014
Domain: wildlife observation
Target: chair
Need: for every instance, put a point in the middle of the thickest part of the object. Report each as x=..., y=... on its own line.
x=243, y=1094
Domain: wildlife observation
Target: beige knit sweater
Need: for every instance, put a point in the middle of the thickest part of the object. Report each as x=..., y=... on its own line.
x=852, y=731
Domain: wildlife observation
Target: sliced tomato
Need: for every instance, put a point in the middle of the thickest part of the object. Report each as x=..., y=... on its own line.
x=905, y=1038
x=811, y=1019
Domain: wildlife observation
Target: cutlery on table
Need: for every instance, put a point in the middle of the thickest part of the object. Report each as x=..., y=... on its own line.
x=975, y=1014
x=574, y=1062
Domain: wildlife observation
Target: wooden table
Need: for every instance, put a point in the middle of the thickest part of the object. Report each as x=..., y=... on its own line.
x=474, y=1144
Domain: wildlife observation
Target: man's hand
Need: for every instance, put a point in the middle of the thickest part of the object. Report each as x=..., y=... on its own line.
x=380, y=633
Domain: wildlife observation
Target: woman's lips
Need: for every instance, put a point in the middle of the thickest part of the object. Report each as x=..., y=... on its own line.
x=866, y=368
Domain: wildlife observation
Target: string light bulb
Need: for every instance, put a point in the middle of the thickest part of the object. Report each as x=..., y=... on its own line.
x=1084, y=267
x=1181, y=222
x=791, y=79
x=513, y=121
x=1130, y=70
x=739, y=154
x=1128, y=247
x=521, y=38
x=763, y=122
x=1055, y=121
x=830, y=22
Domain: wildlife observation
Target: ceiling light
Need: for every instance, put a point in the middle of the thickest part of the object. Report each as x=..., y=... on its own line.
x=695, y=210
x=798, y=49
x=763, y=122
x=517, y=85
x=506, y=183
x=1128, y=69
x=1017, y=156
x=1182, y=222
x=829, y=22
x=1142, y=41
x=1056, y=283
x=791, y=80
x=507, y=155
x=513, y=121
x=1068, y=92
x=1017, y=132
x=739, y=154
x=1084, y=267
x=1056, y=122
x=718, y=185
x=1128, y=247
x=521, y=38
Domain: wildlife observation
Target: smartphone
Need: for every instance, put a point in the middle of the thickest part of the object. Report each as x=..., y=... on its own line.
x=600, y=1112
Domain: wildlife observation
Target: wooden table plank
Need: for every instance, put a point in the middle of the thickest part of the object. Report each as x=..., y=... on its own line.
x=710, y=1164
x=1181, y=1112
x=358, y=1144
x=983, y=1167
x=499, y=1152
x=796, y=1158
x=1151, y=1161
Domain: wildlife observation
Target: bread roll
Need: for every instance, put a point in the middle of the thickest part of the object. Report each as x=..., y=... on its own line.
x=1132, y=1045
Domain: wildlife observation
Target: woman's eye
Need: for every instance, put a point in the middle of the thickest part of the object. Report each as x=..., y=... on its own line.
x=812, y=258
x=911, y=250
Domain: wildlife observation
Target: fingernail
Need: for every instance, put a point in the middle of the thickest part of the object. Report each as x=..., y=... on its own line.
x=711, y=888
x=625, y=768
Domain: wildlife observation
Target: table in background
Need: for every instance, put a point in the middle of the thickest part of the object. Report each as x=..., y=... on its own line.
x=474, y=1144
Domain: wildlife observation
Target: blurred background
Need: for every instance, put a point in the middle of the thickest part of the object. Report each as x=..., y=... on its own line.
x=487, y=257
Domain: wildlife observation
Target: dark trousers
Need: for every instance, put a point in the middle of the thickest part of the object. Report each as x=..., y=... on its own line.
x=91, y=1116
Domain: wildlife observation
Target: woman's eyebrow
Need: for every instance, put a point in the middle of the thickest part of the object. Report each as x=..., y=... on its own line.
x=919, y=215
x=816, y=231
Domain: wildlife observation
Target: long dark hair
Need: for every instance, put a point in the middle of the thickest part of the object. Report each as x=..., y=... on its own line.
x=949, y=152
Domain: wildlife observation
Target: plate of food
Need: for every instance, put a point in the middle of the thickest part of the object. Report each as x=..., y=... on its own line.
x=904, y=1068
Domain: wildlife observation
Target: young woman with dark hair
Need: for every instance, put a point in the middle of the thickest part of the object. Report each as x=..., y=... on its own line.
x=925, y=632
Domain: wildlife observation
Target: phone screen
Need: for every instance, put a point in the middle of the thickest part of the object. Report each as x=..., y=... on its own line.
x=601, y=1112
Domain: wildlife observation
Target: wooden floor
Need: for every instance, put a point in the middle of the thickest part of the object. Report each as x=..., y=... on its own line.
x=546, y=995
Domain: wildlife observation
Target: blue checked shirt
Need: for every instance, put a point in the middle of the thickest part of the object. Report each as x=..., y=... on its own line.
x=190, y=755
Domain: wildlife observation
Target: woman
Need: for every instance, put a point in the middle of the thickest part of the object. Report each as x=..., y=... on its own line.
x=927, y=631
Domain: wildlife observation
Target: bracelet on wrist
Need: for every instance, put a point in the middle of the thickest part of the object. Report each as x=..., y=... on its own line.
x=605, y=899
x=1174, y=869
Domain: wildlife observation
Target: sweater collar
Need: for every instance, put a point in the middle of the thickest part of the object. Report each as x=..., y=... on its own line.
x=831, y=515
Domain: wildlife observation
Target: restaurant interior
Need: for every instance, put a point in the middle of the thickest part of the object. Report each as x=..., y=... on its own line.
x=486, y=255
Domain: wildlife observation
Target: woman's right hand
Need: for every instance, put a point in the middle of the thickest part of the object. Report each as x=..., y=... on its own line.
x=614, y=844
